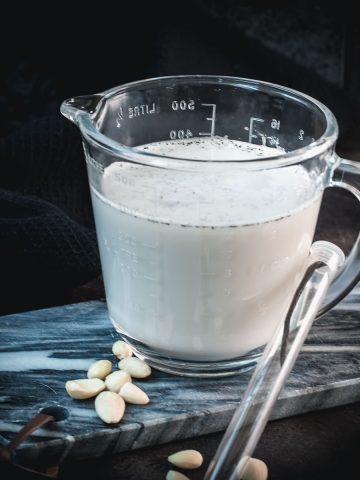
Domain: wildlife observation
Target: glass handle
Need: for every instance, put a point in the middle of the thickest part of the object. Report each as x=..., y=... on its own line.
x=346, y=176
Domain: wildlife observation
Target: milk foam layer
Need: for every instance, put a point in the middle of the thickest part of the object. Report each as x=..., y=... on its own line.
x=210, y=148
x=203, y=267
x=218, y=194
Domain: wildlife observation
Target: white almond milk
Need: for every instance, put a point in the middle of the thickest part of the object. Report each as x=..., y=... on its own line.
x=203, y=266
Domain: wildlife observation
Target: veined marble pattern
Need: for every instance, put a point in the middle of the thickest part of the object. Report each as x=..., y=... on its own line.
x=42, y=349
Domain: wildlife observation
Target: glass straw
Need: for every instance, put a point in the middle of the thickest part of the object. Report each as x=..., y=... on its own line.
x=250, y=418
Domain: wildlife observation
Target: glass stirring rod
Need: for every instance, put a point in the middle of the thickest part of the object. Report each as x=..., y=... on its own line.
x=250, y=418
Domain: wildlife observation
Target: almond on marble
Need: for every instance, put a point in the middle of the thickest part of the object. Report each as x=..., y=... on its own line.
x=121, y=350
x=116, y=380
x=84, y=388
x=133, y=394
x=110, y=407
x=99, y=369
x=135, y=367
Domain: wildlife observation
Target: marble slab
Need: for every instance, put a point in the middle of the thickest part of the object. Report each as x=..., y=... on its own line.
x=42, y=349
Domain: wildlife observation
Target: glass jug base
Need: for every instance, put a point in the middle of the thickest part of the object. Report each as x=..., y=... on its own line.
x=187, y=368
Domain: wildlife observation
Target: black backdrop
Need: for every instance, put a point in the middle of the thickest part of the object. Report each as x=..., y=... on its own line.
x=54, y=52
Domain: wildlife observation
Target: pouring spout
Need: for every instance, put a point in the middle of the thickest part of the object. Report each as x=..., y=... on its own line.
x=73, y=107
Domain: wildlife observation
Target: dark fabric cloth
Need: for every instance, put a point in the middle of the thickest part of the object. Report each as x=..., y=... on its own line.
x=47, y=236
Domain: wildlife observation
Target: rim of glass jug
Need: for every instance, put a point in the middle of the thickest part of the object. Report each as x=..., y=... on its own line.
x=318, y=147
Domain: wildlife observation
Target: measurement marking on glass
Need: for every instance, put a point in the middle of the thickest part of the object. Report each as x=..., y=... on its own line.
x=153, y=246
x=149, y=277
x=119, y=117
x=211, y=119
x=94, y=164
x=251, y=129
x=209, y=274
x=183, y=105
x=141, y=110
x=180, y=134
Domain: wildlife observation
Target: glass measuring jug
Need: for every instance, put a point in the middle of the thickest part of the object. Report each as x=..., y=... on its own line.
x=206, y=192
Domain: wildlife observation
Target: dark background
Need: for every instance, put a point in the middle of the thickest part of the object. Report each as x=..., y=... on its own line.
x=52, y=53
x=48, y=247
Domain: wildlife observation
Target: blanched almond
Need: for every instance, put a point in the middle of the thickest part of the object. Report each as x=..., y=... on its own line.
x=84, y=388
x=116, y=380
x=110, y=407
x=255, y=470
x=135, y=367
x=121, y=349
x=172, y=475
x=99, y=369
x=188, y=459
x=133, y=394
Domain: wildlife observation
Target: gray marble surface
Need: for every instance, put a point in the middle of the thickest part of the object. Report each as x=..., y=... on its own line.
x=40, y=350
